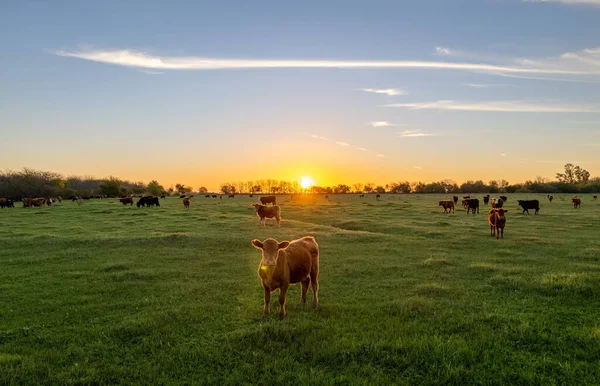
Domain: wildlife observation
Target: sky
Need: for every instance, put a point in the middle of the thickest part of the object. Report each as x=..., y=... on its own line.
x=207, y=92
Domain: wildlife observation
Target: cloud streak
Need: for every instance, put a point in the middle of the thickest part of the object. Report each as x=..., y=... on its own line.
x=387, y=91
x=136, y=59
x=498, y=106
x=415, y=134
x=381, y=124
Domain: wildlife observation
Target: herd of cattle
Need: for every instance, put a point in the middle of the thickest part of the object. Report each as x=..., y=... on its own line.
x=496, y=218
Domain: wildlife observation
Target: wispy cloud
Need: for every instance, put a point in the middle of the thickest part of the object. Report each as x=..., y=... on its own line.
x=361, y=148
x=381, y=124
x=415, y=134
x=387, y=91
x=380, y=156
x=483, y=85
x=343, y=144
x=502, y=154
x=149, y=72
x=417, y=167
x=131, y=58
x=443, y=51
x=498, y=106
x=319, y=137
x=570, y=2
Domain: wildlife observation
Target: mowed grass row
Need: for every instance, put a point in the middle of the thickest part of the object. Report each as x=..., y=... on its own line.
x=101, y=293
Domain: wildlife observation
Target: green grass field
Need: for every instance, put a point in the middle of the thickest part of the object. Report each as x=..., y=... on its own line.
x=101, y=293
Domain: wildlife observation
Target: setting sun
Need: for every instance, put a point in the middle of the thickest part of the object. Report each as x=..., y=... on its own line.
x=306, y=182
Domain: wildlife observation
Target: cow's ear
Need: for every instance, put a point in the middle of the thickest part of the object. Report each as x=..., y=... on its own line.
x=284, y=244
x=257, y=244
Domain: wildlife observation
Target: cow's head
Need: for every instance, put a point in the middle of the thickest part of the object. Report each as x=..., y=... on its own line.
x=270, y=250
x=501, y=212
x=257, y=206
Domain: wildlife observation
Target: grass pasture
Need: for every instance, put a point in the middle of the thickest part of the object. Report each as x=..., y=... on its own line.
x=102, y=294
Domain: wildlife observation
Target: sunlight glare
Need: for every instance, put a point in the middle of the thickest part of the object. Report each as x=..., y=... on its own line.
x=306, y=182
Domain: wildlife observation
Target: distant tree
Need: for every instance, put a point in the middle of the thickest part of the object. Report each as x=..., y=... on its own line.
x=227, y=188
x=341, y=189
x=379, y=189
x=401, y=187
x=111, y=186
x=202, y=190
x=573, y=174
x=154, y=188
x=357, y=188
x=182, y=189
x=368, y=188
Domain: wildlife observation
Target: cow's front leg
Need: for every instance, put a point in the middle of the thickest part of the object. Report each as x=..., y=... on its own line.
x=267, y=301
x=282, y=297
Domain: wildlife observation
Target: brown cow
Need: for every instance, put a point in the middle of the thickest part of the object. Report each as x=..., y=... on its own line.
x=595, y=198
x=264, y=212
x=576, y=202
x=186, y=202
x=268, y=199
x=455, y=199
x=29, y=202
x=550, y=197
x=497, y=222
x=288, y=263
x=126, y=200
x=448, y=206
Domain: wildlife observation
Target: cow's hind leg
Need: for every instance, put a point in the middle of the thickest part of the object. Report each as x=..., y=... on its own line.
x=305, y=284
x=315, y=289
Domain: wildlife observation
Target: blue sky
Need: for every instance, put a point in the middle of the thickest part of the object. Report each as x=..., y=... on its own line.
x=378, y=91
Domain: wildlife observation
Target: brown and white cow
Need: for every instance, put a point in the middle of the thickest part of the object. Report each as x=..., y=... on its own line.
x=285, y=263
x=497, y=222
x=264, y=212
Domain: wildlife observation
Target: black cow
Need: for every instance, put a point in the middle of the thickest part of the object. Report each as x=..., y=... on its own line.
x=207, y=196
x=6, y=203
x=378, y=196
x=148, y=201
x=472, y=205
x=214, y=196
x=163, y=196
x=486, y=199
x=182, y=196
x=231, y=196
x=504, y=198
x=529, y=204
x=455, y=198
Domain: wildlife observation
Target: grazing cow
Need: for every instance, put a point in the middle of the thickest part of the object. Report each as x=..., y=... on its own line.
x=186, y=202
x=361, y=196
x=288, y=263
x=486, y=199
x=448, y=206
x=182, y=196
x=148, y=201
x=455, y=199
x=37, y=202
x=576, y=202
x=6, y=203
x=126, y=200
x=327, y=197
x=231, y=196
x=59, y=199
x=264, y=212
x=499, y=203
x=251, y=195
x=497, y=222
x=268, y=199
x=529, y=204
x=550, y=197
x=207, y=196
x=472, y=205
x=595, y=198
x=465, y=203
x=163, y=196
x=504, y=198
x=378, y=196
x=214, y=196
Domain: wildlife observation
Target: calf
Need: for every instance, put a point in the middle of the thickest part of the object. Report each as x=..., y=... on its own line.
x=497, y=222
x=472, y=205
x=529, y=204
x=448, y=206
x=288, y=263
x=576, y=202
x=455, y=199
x=264, y=212
x=486, y=199
x=550, y=197
x=268, y=200
x=499, y=203
x=186, y=202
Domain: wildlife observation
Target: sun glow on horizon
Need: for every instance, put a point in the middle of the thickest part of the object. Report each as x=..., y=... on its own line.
x=306, y=182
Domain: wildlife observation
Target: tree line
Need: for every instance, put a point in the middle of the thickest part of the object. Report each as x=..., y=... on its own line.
x=34, y=183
